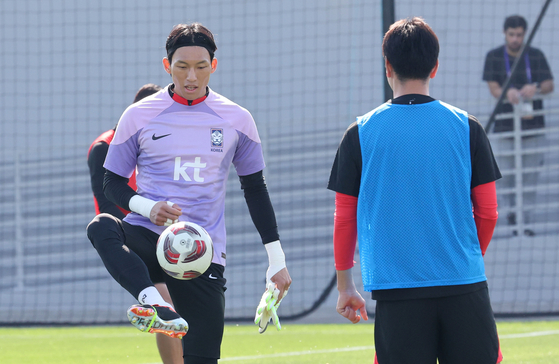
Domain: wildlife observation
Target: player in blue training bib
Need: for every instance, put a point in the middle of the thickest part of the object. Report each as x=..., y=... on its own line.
x=415, y=185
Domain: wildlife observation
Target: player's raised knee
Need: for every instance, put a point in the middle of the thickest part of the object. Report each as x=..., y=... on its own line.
x=101, y=223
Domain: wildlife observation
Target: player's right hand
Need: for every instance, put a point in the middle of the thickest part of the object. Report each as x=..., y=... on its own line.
x=349, y=304
x=165, y=213
x=513, y=95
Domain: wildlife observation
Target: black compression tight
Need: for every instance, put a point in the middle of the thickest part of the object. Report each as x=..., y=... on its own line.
x=107, y=236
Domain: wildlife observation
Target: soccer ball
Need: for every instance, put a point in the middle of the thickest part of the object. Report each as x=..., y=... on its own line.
x=184, y=250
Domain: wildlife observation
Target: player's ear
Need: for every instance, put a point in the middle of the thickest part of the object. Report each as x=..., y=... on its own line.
x=166, y=65
x=388, y=67
x=434, y=71
x=214, y=64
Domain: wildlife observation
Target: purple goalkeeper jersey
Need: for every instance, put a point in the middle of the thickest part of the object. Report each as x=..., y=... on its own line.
x=182, y=154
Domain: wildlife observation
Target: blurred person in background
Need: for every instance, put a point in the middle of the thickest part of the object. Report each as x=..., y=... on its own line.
x=96, y=157
x=170, y=349
x=532, y=78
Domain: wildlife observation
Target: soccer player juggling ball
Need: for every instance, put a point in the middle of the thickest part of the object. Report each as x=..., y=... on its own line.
x=406, y=176
x=181, y=142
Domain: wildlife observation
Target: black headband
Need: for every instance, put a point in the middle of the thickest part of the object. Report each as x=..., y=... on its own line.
x=197, y=39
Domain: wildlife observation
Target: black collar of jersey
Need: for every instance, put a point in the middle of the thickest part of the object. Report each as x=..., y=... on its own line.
x=412, y=99
x=182, y=100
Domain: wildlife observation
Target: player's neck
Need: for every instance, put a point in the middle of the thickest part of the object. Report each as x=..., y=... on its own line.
x=420, y=87
x=178, y=98
x=511, y=52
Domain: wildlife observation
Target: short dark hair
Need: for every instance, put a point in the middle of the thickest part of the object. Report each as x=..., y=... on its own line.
x=515, y=21
x=412, y=48
x=146, y=90
x=194, y=34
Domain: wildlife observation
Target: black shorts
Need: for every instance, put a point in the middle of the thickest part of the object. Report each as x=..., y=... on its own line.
x=456, y=329
x=200, y=301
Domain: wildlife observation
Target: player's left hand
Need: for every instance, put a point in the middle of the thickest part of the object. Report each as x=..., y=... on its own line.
x=528, y=91
x=267, y=308
x=282, y=281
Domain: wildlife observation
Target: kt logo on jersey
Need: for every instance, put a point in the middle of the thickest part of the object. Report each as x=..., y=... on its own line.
x=216, y=139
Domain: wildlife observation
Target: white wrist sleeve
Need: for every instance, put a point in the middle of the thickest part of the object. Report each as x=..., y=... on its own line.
x=141, y=205
x=276, y=259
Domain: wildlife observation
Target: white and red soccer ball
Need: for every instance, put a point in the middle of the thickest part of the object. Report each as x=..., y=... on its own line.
x=184, y=250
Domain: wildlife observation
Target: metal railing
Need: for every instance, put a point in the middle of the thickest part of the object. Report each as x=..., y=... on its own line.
x=532, y=152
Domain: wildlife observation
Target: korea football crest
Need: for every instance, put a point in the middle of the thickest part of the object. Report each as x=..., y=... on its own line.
x=216, y=139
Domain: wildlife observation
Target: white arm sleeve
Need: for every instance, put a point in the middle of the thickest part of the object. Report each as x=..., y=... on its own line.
x=141, y=205
x=276, y=259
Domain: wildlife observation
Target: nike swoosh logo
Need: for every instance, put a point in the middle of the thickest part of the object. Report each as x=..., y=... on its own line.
x=159, y=137
x=211, y=276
